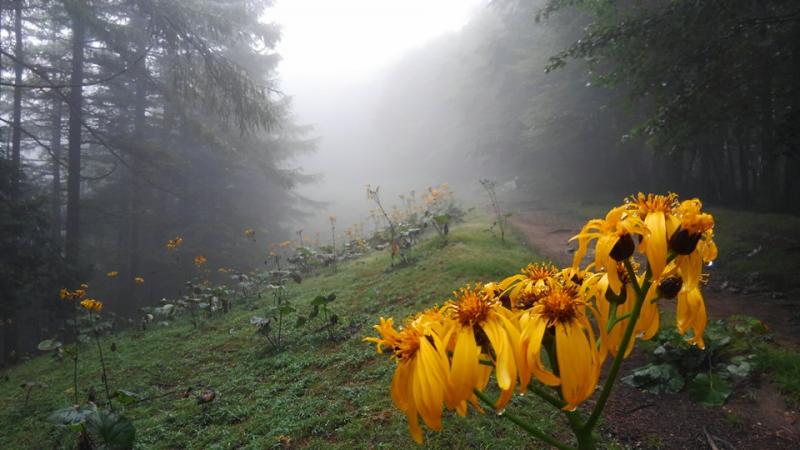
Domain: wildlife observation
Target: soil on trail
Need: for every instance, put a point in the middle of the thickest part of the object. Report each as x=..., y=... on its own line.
x=756, y=417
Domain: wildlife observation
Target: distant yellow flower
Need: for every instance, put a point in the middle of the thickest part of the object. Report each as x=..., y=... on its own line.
x=479, y=324
x=285, y=244
x=112, y=274
x=65, y=294
x=174, y=243
x=249, y=232
x=224, y=270
x=139, y=280
x=91, y=304
x=419, y=385
x=199, y=260
x=562, y=313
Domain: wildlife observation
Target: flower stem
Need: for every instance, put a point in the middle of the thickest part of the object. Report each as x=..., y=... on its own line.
x=75, y=358
x=617, y=363
x=102, y=362
x=518, y=421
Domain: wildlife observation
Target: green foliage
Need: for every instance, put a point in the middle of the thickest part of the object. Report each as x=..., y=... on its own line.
x=730, y=357
x=709, y=389
x=322, y=315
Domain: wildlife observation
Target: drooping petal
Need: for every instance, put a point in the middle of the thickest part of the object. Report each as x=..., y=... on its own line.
x=656, y=242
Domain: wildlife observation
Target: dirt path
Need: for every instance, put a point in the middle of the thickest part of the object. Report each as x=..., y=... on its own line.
x=757, y=417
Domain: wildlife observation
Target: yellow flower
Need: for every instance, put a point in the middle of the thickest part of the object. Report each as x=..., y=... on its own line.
x=249, y=232
x=649, y=320
x=174, y=243
x=112, y=274
x=479, y=327
x=659, y=213
x=199, y=260
x=285, y=244
x=693, y=242
x=419, y=385
x=690, y=314
x=139, y=280
x=615, y=241
x=526, y=288
x=65, y=294
x=91, y=304
x=563, y=314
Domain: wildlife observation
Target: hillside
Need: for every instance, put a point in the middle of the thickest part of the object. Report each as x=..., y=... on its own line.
x=314, y=393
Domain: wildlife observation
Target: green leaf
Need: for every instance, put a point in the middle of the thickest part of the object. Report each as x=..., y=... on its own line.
x=331, y=297
x=314, y=312
x=286, y=309
x=49, y=345
x=442, y=219
x=114, y=432
x=319, y=300
x=301, y=320
x=656, y=378
x=126, y=397
x=709, y=390
x=71, y=415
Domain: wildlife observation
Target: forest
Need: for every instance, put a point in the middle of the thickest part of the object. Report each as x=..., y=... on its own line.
x=189, y=257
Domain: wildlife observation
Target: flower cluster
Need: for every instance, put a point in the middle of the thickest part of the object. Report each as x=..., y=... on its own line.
x=77, y=294
x=174, y=243
x=91, y=304
x=199, y=260
x=557, y=326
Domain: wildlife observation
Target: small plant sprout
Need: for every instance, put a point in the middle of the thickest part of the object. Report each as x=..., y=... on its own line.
x=499, y=217
x=374, y=195
x=332, y=220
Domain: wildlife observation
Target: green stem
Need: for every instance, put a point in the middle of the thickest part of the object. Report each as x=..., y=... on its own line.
x=617, y=363
x=75, y=358
x=102, y=362
x=518, y=421
x=546, y=396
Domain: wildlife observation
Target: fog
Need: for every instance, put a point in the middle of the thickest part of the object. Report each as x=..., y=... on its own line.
x=338, y=61
x=234, y=124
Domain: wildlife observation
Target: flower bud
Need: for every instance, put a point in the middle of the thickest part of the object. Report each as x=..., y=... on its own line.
x=670, y=286
x=683, y=243
x=623, y=249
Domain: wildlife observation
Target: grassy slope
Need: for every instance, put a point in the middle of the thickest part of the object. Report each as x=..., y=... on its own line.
x=314, y=394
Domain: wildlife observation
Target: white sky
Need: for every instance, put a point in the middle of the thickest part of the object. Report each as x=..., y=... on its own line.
x=333, y=54
x=328, y=42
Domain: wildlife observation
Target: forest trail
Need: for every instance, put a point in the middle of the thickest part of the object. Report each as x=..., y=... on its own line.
x=548, y=231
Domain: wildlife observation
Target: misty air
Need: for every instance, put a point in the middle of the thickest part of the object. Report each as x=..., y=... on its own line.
x=363, y=224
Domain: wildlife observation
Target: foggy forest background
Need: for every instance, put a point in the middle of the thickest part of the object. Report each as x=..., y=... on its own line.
x=126, y=123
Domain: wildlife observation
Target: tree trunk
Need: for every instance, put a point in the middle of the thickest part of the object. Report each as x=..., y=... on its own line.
x=55, y=147
x=16, y=133
x=72, y=246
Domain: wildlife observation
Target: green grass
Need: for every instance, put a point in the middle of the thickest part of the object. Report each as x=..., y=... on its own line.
x=313, y=394
x=782, y=366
